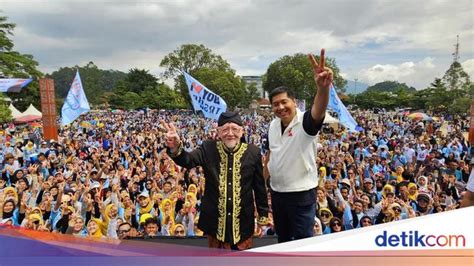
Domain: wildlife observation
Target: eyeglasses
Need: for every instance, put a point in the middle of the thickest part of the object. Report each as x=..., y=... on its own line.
x=234, y=130
x=397, y=210
x=325, y=215
x=179, y=232
x=124, y=231
x=336, y=224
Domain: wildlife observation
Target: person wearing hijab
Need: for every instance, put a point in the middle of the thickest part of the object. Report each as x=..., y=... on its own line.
x=76, y=226
x=178, y=230
x=94, y=228
x=318, y=227
x=8, y=210
x=365, y=221
x=422, y=183
x=325, y=215
x=111, y=217
x=412, y=191
x=335, y=226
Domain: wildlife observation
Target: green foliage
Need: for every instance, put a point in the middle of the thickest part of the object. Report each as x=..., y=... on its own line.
x=5, y=112
x=296, y=73
x=456, y=78
x=162, y=97
x=16, y=65
x=436, y=98
x=224, y=83
x=251, y=93
x=140, y=89
x=139, y=80
x=193, y=58
x=390, y=86
x=95, y=81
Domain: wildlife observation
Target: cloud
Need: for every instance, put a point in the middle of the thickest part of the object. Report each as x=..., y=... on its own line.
x=468, y=66
x=380, y=39
x=415, y=74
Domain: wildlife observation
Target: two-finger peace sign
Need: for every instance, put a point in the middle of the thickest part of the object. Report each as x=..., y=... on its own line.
x=322, y=74
x=172, y=138
x=318, y=68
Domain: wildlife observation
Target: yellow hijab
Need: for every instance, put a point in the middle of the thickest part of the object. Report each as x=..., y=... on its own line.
x=384, y=194
x=414, y=195
x=100, y=224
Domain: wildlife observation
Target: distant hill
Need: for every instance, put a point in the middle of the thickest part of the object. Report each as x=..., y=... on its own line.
x=353, y=88
x=390, y=86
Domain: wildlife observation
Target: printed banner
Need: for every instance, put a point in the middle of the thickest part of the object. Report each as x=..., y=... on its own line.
x=13, y=85
x=203, y=99
x=76, y=102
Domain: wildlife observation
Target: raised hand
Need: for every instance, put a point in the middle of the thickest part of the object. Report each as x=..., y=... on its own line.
x=172, y=138
x=322, y=74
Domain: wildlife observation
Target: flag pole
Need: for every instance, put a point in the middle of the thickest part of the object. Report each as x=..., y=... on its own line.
x=182, y=73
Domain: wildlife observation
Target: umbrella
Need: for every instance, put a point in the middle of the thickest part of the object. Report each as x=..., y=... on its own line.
x=420, y=116
x=35, y=124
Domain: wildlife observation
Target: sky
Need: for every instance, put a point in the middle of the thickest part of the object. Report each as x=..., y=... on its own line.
x=372, y=41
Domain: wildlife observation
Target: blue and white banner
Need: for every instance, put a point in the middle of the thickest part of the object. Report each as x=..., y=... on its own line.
x=337, y=106
x=75, y=103
x=13, y=85
x=203, y=99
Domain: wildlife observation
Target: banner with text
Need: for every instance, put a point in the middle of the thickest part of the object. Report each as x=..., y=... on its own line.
x=203, y=99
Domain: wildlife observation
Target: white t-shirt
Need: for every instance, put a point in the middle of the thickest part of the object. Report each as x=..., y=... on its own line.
x=409, y=154
x=292, y=162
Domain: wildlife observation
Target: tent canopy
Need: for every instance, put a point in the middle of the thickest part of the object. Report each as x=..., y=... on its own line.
x=15, y=112
x=27, y=119
x=32, y=111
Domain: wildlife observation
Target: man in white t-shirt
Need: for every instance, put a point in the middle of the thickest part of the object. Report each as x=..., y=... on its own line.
x=409, y=153
x=292, y=164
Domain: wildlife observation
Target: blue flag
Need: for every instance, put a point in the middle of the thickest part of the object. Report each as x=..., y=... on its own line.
x=75, y=103
x=337, y=106
x=13, y=85
x=203, y=99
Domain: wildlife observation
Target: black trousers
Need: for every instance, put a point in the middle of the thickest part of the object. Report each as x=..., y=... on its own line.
x=293, y=214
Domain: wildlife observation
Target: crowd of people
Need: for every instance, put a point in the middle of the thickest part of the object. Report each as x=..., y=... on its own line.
x=109, y=174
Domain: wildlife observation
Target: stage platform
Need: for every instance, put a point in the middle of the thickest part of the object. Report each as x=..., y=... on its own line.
x=202, y=241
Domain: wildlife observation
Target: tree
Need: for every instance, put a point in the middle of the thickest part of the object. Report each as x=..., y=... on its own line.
x=296, y=72
x=224, y=83
x=140, y=79
x=5, y=112
x=162, y=97
x=455, y=77
x=251, y=93
x=391, y=86
x=16, y=65
x=95, y=81
x=191, y=58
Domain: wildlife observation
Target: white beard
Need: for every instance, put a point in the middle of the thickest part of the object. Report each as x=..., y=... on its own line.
x=231, y=144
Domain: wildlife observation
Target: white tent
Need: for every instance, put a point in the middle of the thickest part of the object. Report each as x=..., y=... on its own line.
x=32, y=111
x=329, y=119
x=15, y=112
